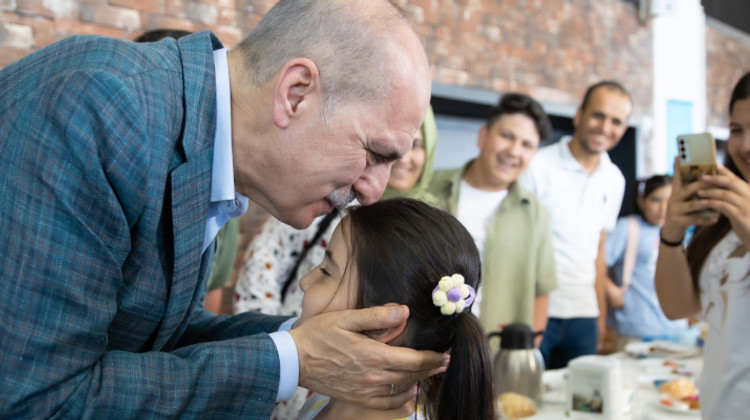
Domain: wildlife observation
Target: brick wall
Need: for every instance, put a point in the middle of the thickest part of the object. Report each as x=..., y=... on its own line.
x=551, y=49
x=728, y=58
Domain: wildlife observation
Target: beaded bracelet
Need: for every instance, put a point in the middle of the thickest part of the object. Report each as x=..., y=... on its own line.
x=670, y=243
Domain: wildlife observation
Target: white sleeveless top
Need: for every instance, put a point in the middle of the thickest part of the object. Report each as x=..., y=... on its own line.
x=725, y=303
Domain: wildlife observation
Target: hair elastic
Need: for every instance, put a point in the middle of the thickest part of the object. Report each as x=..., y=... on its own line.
x=451, y=295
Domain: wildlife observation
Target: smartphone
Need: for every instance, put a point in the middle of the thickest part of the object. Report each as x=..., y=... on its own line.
x=697, y=158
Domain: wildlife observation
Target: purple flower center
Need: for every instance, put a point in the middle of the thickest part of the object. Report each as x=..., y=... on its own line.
x=454, y=295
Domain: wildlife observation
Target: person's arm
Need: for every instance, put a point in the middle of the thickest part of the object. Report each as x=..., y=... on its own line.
x=614, y=252
x=541, y=305
x=335, y=359
x=672, y=279
x=600, y=284
x=546, y=274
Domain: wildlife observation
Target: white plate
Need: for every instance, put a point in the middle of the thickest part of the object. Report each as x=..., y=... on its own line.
x=660, y=349
x=653, y=382
x=692, y=413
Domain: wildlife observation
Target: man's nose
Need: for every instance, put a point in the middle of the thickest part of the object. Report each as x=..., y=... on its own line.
x=515, y=148
x=371, y=185
x=606, y=125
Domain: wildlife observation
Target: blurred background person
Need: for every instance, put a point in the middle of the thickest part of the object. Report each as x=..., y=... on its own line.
x=713, y=276
x=582, y=190
x=631, y=250
x=508, y=224
x=280, y=255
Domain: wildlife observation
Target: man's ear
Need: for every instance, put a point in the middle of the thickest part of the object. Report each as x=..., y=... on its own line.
x=297, y=85
x=577, y=117
x=482, y=137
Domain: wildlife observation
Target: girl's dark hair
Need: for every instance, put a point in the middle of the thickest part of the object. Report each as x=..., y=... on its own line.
x=706, y=237
x=518, y=103
x=649, y=185
x=402, y=248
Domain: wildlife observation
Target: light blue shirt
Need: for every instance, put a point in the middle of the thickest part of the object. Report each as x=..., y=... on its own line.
x=642, y=315
x=227, y=203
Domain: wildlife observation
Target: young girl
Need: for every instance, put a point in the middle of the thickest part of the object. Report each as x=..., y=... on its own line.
x=631, y=250
x=714, y=276
x=403, y=251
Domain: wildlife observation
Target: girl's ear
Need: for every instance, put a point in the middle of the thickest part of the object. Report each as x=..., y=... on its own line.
x=386, y=335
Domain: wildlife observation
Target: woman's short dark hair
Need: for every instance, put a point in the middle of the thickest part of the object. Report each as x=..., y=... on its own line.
x=518, y=103
x=402, y=248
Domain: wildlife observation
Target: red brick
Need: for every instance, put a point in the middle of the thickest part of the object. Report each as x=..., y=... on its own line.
x=158, y=6
x=20, y=37
x=117, y=17
x=36, y=7
x=9, y=55
x=202, y=13
x=157, y=21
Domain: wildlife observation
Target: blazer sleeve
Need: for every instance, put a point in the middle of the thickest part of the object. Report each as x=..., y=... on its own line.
x=74, y=183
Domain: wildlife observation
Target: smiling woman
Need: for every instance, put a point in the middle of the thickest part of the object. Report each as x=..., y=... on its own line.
x=713, y=276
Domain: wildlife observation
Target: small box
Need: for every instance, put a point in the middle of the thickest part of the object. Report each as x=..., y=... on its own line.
x=595, y=389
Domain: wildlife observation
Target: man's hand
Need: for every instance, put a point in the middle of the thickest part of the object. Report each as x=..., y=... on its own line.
x=336, y=360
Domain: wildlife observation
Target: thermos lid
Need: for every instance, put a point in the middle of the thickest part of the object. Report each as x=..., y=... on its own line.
x=517, y=336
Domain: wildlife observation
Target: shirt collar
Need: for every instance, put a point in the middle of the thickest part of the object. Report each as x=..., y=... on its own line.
x=222, y=175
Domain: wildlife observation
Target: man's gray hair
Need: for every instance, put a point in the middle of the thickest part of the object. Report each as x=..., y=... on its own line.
x=344, y=38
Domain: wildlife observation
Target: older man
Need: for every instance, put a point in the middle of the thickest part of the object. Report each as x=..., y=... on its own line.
x=121, y=161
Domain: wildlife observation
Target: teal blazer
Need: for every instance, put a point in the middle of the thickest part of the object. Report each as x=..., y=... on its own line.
x=106, y=150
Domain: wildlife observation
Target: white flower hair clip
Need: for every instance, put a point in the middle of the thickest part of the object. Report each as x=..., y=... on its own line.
x=452, y=295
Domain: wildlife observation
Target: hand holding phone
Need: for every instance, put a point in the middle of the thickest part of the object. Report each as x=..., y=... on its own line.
x=697, y=158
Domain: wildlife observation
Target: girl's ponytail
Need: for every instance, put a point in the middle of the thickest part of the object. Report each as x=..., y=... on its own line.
x=465, y=390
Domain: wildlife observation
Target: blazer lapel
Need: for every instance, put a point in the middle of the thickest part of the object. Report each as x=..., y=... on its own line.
x=190, y=185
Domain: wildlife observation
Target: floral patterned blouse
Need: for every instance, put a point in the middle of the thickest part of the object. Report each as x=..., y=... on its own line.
x=269, y=259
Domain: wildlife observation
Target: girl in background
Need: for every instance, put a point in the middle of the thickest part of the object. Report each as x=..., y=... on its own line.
x=631, y=251
x=403, y=251
x=713, y=277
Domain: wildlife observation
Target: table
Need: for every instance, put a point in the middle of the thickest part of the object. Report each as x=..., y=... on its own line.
x=638, y=375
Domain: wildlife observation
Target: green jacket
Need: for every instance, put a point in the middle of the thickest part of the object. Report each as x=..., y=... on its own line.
x=518, y=261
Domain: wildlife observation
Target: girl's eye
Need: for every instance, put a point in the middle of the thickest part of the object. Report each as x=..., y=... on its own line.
x=324, y=271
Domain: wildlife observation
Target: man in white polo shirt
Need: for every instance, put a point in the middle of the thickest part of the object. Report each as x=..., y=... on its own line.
x=582, y=190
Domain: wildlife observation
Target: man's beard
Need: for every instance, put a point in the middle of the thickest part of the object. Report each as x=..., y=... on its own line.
x=341, y=197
